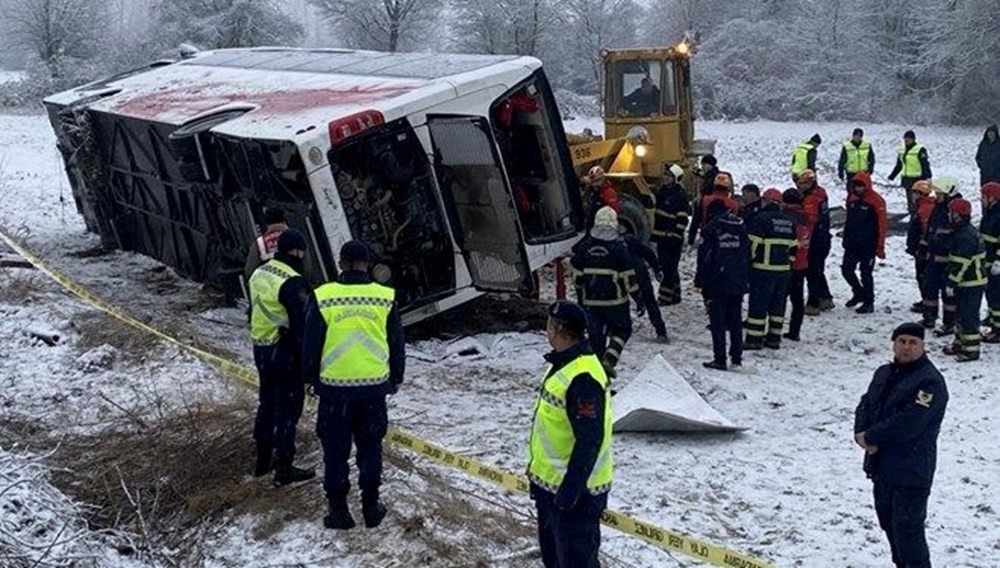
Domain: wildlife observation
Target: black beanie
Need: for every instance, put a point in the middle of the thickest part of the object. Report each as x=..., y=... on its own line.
x=858, y=132
x=909, y=328
x=355, y=251
x=816, y=139
x=910, y=134
x=290, y=240
x=709, y=159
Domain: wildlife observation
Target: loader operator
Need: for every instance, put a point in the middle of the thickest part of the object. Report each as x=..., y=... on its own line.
x=643, y=101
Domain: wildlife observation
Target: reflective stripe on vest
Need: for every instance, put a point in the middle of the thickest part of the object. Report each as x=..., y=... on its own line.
x=910, y=158
x=765, y=262
x=267, y=316
x=963, y=278
x=356, y=350
x=800, y=157
x=551, y=442
x=857, y=156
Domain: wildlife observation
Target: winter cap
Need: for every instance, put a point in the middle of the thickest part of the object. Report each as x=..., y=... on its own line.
x=909, y=328
x=910, y=134
x=570, y=315
x=355, y=251
x=709, y=159
x=792, y=196
x=273, y=216
x=290, y=240
x=772, y=194
x=960, y=207
x=674, y=170
x=858, y=132
x=815, y=139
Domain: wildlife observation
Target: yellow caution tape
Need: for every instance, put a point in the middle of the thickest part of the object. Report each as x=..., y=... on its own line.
x=662, y=538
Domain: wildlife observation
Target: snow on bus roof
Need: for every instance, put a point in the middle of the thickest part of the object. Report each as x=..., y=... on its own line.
x=287, y=89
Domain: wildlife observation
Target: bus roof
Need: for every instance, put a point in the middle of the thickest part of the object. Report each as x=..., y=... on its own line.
x=289, y=91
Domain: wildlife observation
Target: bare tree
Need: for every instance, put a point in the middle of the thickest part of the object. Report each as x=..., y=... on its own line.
x=378, y=24
x=55, y=31
x=225, y=23
x=598, y=24
x=518, y=27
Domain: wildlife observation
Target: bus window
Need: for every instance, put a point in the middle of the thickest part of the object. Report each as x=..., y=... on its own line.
x=637, y=90
x=669, y=89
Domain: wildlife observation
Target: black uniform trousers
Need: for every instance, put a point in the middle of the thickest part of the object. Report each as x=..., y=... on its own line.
x=796, y=295
x=920, y=268
x=967, y=302
x=609, y=328
x=668, y=251
x=648, y=299
x=766, y=310
x=725, y=315
x=279, y=402
x=570, y=538
x=993, y=301
x=901, y=513
x=338, y=422
x=936, y=286
x=854, y=260
x=819, y=288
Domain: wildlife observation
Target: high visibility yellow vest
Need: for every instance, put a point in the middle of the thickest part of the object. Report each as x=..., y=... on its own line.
x=267, y=316
x=857, y=156
x=356, y=350
x=551, y=442
x=910, y=158
x=800, y=157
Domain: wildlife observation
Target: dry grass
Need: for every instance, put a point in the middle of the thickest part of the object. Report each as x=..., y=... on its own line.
x=19, y=285
x=97, y=328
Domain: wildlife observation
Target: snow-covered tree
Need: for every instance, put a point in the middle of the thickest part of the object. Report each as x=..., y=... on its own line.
x=520, y=27
x=55, y=32
x=225, y=23
x=385, y=25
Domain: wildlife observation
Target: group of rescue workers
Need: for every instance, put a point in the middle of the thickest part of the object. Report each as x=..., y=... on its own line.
x=345, y=337
x=772, y=245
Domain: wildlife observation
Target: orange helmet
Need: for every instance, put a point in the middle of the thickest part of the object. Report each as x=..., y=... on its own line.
x=723, y=179
x=807, y=176
x=960, y=207
x=922, y=186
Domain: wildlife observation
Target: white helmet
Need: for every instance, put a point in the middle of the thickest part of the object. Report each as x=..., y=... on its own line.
x=945, y=185
x=606, y=217
x=675, y=171
x=596, y=173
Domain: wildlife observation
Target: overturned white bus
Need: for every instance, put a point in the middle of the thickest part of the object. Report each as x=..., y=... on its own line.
x=454, y=168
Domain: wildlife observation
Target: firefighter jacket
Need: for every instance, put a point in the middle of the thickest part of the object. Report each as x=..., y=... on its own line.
x=916, y=232
x=989, y=229
x=602, y=272
x=670, y=216
x=939, y=233
x=967, y=261
x=723, y=258
x=817, y=209
x=867, y=221
x=773, y=246
x=803, y=235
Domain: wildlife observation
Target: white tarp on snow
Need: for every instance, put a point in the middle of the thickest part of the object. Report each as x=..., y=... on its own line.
x=660, y=400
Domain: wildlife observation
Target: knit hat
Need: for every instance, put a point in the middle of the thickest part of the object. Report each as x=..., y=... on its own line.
x=355, y=251
x=858, y=132
x=816, y=139
x=909, y=328
x=910, y=134
x=570, y=315
x=290, y=240
x=709, y=159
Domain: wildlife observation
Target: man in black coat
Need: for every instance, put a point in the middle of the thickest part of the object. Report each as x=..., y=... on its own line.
x=723, y=268
x=988, y=157
x=897, y=424
x=670, y=220
x=643, y=259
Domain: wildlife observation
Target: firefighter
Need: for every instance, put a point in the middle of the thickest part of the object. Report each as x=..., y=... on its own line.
x=262, y=250
x=570, y=459
x=670, y=220
x=722, y=190
x=723, y=267
x=792, y=199
x=967, y=277
x=772, y=251
x=643, y=259
x=750, y=202
x=939, y=232
x=356, y=357
x=913, y=164
x=916, y=235
x=804, y=156
x=281, y=302
x=604, y=280
x=990, y=231
x=817, y=210
x=856, y=156
x=600, y=193
x=864, y=239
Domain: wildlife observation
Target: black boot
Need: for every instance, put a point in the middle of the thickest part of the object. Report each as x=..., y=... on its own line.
x=866, y=309
x=286, y=473
x=371, y=508
x=854, y=301
x=755, y=344
x=772, y=342
x=339, y=516
x=265, y=462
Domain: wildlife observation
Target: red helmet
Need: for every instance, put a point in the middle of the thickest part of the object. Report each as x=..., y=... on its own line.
x=773, y=194
x=960, y=207
x=992, y=190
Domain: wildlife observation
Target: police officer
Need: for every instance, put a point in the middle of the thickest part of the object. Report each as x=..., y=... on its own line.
x=804, y=156
x=773, y=247
x=990, y=230
x=670, y=220
x=723, y=267
x=856, y=156
x=967, y=279
x=604, y=279
x=570, y=463
x=281, y=302
x=939, y=234
x=816, y=207
x=897, y=424
x=864, y=239
x=912, y=162
x=357, y=357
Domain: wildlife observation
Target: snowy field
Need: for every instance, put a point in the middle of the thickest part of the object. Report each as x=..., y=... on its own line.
x=7, y=76
x=790, y=489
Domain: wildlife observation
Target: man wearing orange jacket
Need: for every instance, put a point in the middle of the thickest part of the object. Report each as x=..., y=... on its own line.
x=916, y=235
x=816, y=207
x=864, y=239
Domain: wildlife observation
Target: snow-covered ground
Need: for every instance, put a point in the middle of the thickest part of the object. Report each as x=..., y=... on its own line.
x=790, y=489
x=8, y=76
